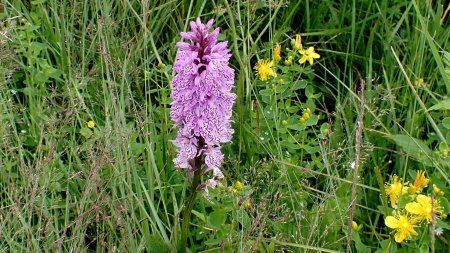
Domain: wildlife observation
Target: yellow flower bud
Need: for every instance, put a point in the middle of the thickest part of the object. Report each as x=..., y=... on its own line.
x=306, y=115
x=247, y=204
x=437, y=191
x=238, y=186
x=302, y=120
x=355, y=226
x=91, y=124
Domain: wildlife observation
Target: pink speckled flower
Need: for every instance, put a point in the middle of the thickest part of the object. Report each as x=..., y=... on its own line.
x=202, y=98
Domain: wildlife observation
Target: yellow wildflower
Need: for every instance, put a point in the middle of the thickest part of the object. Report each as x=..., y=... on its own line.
x=264, y=69
x=420, y=182
x=308, y=55
x=403, y=225
x=277, y=52
x=238, y=186
x=297, y=43
x=91, y=124
x=395, y=190
x=424, y=208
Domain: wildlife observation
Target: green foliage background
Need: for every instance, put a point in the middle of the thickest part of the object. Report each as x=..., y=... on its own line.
x=67, y=188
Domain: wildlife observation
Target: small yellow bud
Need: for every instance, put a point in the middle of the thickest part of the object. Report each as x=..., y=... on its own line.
x=437, y=191
x=238, y=186
x=302, y=120
x=355, y=226
x=306, y=115
x=247, y=204
x=307, y=110
x=297, y=43
x=288, y=61
x=277, y=52
x=91, y=124
x=161, y=65
x=293, y=42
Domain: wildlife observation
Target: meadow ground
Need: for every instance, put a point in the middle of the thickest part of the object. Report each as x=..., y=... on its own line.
x=341, y=133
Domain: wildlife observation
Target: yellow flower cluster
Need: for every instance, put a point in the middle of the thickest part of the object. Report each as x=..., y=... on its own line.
x=305, y=116
x=405, y=219
x=395, y=190
x=237, y=188
x=265, y=68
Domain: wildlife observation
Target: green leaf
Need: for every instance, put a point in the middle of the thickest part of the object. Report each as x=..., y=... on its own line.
x=413, y=147
x=266, y=92
x=213, y=241
x=296, y=126
x=157, y=244
x=137, y=148
x=442, y=224
x=388, y=245
x=443, y=105
x=312, y=121
x=446, y=122
x=290, y=145
x=271, y=247
x=199, y=215
x=244, y=219
x=309, y=92
x=444, y=204
x=217, y=218
x=360, y=247
x=86, y=132
x=300, y=84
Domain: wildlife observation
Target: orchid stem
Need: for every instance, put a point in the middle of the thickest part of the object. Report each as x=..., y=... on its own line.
x=182, y=245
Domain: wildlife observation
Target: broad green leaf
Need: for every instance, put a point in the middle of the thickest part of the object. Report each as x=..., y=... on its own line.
x=442, y=224
x=217, y=218
x=443, y=105
x=300, y=84
x=360, y=247
x=86, y=132
x=290, y=145
x=199, y=215
x=446, y=122
x=444, y=204
x=309, y=92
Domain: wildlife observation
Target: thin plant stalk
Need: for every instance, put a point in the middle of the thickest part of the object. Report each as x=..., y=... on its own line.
x=182, y=245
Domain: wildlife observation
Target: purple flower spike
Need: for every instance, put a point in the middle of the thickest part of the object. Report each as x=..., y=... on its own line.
x=202, y=98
